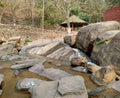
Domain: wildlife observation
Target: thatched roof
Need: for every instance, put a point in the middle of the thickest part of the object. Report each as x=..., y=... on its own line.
x=75, y=21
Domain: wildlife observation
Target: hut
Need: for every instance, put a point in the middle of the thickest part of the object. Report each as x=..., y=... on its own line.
x=74, y=22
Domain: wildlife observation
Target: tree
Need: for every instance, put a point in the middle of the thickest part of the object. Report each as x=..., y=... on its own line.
x=65, y=6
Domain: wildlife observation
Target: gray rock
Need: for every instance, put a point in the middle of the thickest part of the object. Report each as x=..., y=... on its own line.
x=26, y=83
x=21, y=66
x=80, y=69
x=54, y=74
x=44, y=90
x=1, y=78
x=73, y=84
x=72, y=87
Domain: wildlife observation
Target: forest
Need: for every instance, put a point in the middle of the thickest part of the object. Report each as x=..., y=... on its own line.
x=47, y=13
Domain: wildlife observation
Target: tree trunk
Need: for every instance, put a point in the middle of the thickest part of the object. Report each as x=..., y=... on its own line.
x=68, y=22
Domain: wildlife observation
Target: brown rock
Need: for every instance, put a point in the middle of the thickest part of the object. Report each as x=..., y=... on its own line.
x=104, y=76
x=78, y=61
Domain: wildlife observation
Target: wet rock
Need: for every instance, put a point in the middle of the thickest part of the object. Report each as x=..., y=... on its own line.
x=78, y=61
x=81, y=54
x=70, y=39
x=92, y=67
x=106, y=50
x=104, y=75
x=26, y=83
x=80, y=69
x=88, y=34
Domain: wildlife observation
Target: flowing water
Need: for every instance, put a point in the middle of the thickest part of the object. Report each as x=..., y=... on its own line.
x=8, y=86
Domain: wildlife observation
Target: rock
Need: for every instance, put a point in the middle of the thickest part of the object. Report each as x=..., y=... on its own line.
x=6, y=49
x=106, y=50
x=21, y=66
x=70, y=39
x=1, y=78
x=88, y=34
x=104, y=75
x=81, y=54
x=26, y=83
x=115, y=86
x=80, y=69
x=44, y=90
x=15, y=38
x=63, y=54
x=1, y=92
x=77, y=61
x=111, y=90
x=51, y=73
x=37, y=68
x=69, y=87
x=37, y=47
x=54, y=74
x=73, y=84
x=92, y=67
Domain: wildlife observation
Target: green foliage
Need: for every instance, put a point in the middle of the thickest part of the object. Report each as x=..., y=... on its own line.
x=3, y=4
x=27, y=40
x=84, y=16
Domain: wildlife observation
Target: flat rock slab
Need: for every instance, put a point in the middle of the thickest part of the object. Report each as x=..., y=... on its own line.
x=27, y=83
x=27, y=63
x=73, y=84
x=68, y=87
x=21, y=66
x=51, y=73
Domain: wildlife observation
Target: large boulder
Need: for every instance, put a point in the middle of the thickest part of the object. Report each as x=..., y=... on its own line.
x=106, y=50
x=87, y=35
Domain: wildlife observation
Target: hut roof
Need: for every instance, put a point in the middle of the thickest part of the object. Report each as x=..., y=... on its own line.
x=75, y=21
